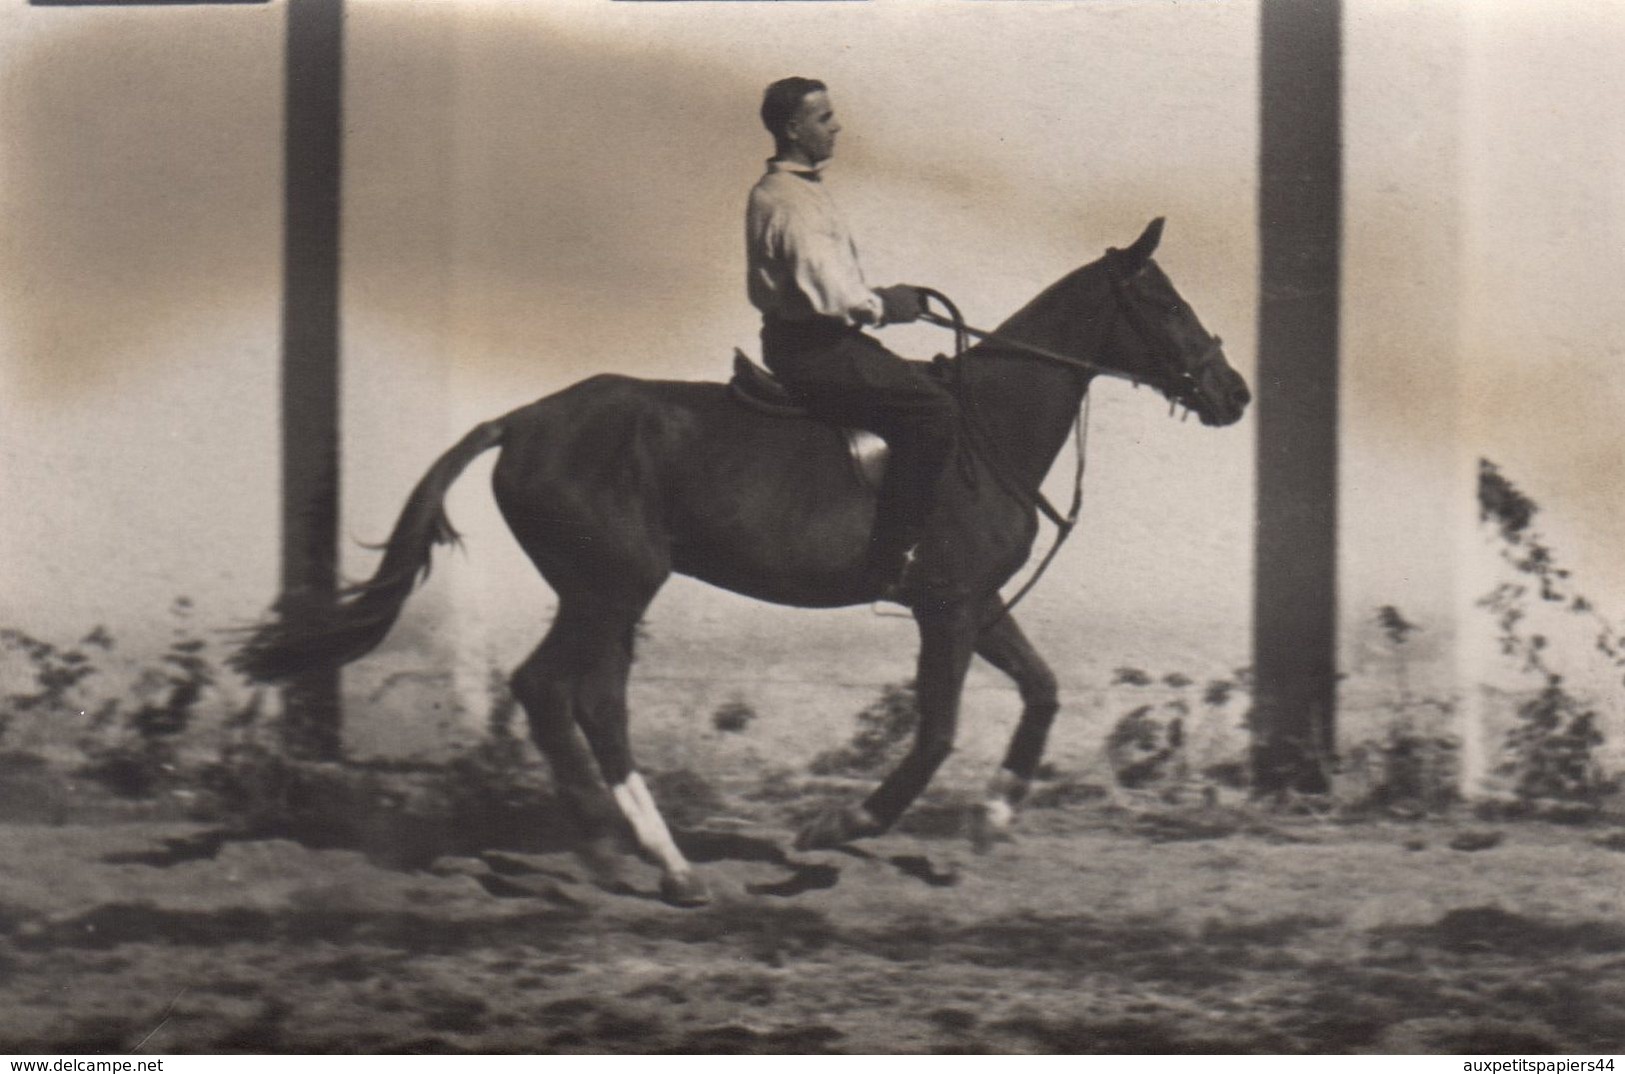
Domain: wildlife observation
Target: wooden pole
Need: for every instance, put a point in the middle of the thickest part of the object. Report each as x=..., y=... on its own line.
x=310, y=352
x=1300, y=221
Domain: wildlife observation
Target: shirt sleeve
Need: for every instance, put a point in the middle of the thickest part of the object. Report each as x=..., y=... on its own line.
x=825, y=268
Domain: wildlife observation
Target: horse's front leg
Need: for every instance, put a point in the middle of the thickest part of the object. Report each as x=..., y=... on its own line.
x=1003, y=645
x=947, y=642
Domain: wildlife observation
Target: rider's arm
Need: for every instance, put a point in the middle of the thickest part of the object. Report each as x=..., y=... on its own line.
x=807, y=249
x=826, y=271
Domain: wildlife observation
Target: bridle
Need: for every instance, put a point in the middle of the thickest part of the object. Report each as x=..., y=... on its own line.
x=1183, y=389
x=1184, y=381
x=1184, y=386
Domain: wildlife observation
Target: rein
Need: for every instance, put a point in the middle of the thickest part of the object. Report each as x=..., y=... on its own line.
x=988, y=451
x=961, y=330
x=1185, y=384
x=1185, y=379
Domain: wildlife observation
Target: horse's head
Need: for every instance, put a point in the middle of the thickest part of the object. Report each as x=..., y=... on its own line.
x=1156, y=338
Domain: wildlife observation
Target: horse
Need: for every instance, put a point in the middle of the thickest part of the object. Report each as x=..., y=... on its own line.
x=614, y=483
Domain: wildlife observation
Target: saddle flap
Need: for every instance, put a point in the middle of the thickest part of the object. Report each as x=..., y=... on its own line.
x=760, y=390
x=756, y=387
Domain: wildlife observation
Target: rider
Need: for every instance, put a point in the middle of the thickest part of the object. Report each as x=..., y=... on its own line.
x=805, y=279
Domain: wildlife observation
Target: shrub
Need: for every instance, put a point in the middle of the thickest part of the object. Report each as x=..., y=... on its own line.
x=881, y=726
x=1143, y=749
x=142, y=753
x=1407, y=770
x=733, y=716
x=1415, y=766
x=1151, y=744
x=685, y=797
x=127, y=721
x=1551, y=753
x=58, y=677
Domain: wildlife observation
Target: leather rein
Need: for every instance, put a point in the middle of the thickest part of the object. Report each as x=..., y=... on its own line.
x=1186, y=384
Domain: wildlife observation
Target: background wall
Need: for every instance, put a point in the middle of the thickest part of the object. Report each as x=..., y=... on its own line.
x=1543, y=253
x=534, y=193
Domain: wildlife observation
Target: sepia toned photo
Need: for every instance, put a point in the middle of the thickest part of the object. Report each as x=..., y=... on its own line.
x=908, y=527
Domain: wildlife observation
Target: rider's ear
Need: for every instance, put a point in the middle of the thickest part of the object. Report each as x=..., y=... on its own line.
x=1134, y=258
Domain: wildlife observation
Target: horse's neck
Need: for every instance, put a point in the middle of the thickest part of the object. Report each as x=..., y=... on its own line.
x=1027, y=404
x=1025, y=407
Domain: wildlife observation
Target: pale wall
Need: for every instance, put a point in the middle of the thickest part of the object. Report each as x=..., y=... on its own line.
x=140, y=205
x=1404, y=493
x=1543, y=340
x=535, y=193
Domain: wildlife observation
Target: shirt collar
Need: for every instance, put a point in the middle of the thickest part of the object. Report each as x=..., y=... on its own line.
x=813, y=172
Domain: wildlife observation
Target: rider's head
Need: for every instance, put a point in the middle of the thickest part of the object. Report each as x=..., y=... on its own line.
x=797, y=112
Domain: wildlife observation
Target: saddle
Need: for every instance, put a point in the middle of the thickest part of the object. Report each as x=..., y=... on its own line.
x=757, y=389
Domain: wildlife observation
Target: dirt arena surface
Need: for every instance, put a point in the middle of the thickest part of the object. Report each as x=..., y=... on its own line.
x=1107, y=926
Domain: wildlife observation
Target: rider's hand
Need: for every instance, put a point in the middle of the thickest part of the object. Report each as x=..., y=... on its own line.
x=903, y=303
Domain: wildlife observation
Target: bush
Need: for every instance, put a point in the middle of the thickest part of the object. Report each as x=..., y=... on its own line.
x=733, y=716
x=1551, y=752
x=143, y=752
x=1407, y=771
x=1152, y=746
x=1143, y=749
x=400, y=814
x=260, y=792
x=881, y=727
x=128, y=722
x=1415, y=767
x=58, y=677
x=686, y=799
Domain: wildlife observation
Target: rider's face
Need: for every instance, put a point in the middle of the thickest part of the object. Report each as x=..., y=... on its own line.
x=814, y=127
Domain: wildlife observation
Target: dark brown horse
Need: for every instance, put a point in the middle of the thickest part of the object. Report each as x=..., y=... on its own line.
x=614, y=483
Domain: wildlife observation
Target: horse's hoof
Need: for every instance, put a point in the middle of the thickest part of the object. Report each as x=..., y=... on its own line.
x=989, y=825
x=687, y=890
x=837, y=827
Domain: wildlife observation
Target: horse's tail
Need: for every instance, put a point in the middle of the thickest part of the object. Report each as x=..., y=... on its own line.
x=297, y=639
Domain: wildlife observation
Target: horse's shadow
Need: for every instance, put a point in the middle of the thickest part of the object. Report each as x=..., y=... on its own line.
x=799, y=874
x=527, y=853
x=708, y=847
x=804, y=876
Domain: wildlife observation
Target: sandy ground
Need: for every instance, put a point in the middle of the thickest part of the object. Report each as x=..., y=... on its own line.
x=1103, y=928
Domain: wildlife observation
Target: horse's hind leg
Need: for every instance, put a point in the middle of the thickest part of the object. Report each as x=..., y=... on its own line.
x=544, y=686
x=573, y=689
x=1003, y=645
x=601, y=711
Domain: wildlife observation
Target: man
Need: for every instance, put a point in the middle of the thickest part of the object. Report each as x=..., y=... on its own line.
x=805, y=279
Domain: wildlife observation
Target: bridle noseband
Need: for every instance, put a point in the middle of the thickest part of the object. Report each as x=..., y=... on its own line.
x=1184, y=386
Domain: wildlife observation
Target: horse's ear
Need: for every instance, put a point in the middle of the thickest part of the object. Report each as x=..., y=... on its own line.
x=1136, y=256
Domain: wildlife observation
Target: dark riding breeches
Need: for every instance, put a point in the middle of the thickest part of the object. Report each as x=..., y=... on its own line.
x=846, y=377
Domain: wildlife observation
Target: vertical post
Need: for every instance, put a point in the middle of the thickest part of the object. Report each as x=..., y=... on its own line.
x=310, y=352
x=1300, y=221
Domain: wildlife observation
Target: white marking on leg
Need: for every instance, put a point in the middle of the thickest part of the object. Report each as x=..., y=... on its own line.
x=1003, y=793
x=999, y=814
x=639, y=807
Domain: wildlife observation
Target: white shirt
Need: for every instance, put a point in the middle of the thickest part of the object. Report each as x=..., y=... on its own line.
x=802, y=260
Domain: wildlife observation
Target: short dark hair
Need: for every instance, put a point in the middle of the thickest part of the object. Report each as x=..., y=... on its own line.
x=783, y=100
